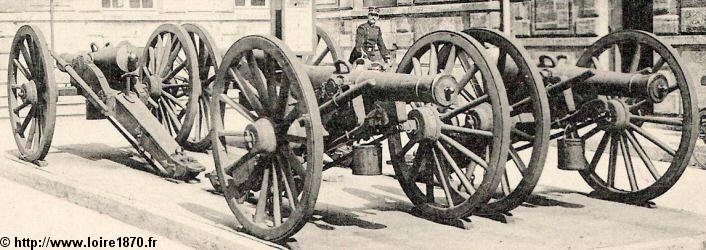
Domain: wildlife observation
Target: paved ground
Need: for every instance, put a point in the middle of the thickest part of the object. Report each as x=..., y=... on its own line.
x=372, y=212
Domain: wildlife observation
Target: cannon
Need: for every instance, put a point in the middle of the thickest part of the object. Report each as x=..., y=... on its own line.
x=611, y=93
x=278, y=121
x=105, y=77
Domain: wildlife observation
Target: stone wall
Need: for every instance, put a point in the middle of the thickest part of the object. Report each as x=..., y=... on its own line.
x=540, y=18
x=404, y=22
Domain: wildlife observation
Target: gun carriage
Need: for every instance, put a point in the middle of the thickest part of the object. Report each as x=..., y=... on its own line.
x=104, y=76
x=448, y=150
x=611, y=94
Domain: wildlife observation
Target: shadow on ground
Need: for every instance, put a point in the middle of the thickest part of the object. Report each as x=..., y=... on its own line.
x=99, y=151
x=219, y=217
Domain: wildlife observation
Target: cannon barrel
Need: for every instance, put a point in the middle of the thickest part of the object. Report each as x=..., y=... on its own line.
x=653, y=87
x=440, y=89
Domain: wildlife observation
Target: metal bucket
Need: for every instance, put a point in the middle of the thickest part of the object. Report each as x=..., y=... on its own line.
x=367, y=160
x=571, y=154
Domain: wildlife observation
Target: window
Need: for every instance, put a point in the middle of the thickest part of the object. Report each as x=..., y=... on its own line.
x=252, y=3
x=135, y=4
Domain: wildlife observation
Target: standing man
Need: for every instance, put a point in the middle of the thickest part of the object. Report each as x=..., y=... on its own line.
x=368, y=40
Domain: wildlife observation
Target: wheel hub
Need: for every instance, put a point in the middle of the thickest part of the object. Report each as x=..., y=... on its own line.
x=262, y=136
x=618, y=114
x=28, y=92
x=154, y=84
x=428, y=124
x=481, y=117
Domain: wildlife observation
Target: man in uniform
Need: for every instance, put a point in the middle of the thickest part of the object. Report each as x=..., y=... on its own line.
x=368, y=40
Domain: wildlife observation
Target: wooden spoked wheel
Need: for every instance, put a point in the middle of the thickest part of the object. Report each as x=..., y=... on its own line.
x=530, y=115
x=457, y=173
x=209, y=58
x=168, y=69
x=265, y=108
x=326, y=52
x=639, y=179
x=32, y=93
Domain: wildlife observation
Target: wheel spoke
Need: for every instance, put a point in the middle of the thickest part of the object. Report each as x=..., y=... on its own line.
x=239, y=108
x=248, y=91
x=518, y=161
x=27, y=57
x=627, y=159
x=461, y=176
x=658, y=66
x=153, y=61
x=433, y=60
x=477, y=132
x=30, y=115
x=173, y=99
x=595, y=62
x=502, y=56
x=257, y=78
x=262, y=199
x=591, y=133
x=653, y=139
x=322, y=56
x=599, y=151
x=441, y=176
x=450, y=60
x=403, y=151
x=276, y=197
x=612, y=159
x=288, y=181
x=472, y=104
x=174, y=72
x=521, y=134
x=22, y=69
x=166, y=51
x=504, y=182
x=467, y=77
x=282, y=101
x=643, y=156
x=271, y=83
x=172, y=56
x=657, y=119
x=159, y=53
x=31, y=133
x=473, y=156
x=417, y=66
x=635, y=63
x=618, y=62
x=171, y=115
x=23, y=105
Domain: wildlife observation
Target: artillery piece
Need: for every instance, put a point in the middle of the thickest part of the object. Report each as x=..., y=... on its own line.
x=448, y=152
x=104, y=77
x=612, y=99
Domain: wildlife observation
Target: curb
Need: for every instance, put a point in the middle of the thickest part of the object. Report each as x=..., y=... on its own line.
x=187, y=231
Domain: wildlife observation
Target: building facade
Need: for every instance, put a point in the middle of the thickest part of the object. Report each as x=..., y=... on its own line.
x=544, y=27
x=71, y=25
